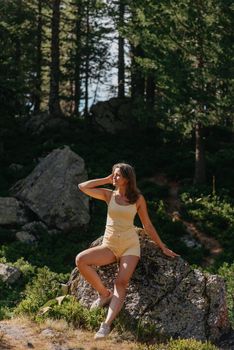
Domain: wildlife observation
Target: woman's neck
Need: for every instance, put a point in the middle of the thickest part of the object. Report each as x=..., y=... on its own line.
x=121, y=191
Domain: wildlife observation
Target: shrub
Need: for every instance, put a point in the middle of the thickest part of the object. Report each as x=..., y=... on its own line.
x=27, y=270
x=153, y=191
x=72, y=311
x=44, y=286
x=6, y=235
x=10, y=295
x=227, y=272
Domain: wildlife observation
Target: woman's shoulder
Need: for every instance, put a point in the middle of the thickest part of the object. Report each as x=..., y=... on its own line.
x=140, y=200
x=140, y=197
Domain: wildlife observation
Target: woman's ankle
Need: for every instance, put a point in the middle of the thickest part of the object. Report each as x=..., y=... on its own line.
x=105, y=293
x=108, y=323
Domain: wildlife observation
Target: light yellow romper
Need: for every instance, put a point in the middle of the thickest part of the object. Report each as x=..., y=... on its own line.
x=120, y=235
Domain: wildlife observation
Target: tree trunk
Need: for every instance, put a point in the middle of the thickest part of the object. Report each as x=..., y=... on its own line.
x=86, y=108
x=77, y=95
x=18, y=56
x=200, y=168
x=121, y=63
x=54, y=104
x=150, y=90
x=37, y=95
x=137, y=79
x=18, y=50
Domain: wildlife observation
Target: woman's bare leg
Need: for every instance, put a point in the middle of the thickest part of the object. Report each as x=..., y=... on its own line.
x=127, y=267
x=97, y=256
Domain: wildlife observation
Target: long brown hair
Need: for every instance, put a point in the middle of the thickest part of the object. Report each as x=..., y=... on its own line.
x=128, y=172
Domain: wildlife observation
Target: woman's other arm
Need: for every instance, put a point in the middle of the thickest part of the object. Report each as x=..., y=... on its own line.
x=149, y=227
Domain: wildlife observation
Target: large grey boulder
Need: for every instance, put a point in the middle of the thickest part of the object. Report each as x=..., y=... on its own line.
x=113, y=115
x=12, y=212
x=9, y=274
x=51, y=191
x=166, y=293
x=37, y=124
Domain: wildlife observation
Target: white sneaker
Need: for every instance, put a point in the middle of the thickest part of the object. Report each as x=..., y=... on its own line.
x=103, y=331
x=101, y=301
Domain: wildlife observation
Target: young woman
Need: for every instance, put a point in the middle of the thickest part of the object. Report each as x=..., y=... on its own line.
x=120, y=242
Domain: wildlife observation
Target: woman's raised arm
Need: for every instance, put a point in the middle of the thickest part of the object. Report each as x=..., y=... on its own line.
x=90, y=188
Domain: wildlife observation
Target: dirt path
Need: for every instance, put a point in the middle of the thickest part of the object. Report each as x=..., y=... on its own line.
x=173, y=207
x=22, y=334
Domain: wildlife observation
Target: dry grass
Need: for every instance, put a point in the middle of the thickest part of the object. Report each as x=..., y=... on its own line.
x=22, y=334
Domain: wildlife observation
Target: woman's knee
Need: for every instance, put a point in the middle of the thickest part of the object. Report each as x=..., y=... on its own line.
x=80, y=259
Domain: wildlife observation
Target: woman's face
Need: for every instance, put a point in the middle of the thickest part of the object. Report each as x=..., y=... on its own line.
x=118, y=179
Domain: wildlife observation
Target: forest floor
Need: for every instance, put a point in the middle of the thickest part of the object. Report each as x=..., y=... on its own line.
x=173, y=208
x=22, y=334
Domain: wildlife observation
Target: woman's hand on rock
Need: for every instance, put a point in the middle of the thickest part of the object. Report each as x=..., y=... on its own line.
x=169, y=252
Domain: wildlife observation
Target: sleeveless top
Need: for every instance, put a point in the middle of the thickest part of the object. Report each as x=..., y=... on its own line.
x=120, y=217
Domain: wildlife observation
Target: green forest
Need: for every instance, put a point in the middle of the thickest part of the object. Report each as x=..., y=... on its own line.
x=145, y=82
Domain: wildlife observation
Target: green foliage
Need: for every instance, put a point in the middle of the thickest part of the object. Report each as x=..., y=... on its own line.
x=11, y=294
x=65, y=248
x=219, y=164
x=41, y=300
x=72, y=311
x=27, y=270
x=152, y=191
x=6, y=235
x=147, y=332
x=43, y=287
x=172, y=233
x=214, y=215
x=227, y=272
x=181, y=45
x=17, y=25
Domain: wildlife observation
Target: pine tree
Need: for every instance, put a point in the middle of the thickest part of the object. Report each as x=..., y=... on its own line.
x=54, y=100
x=121, y=60
x=38, y=82
x=181, y=46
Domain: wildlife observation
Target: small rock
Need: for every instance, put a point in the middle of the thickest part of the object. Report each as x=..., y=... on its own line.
x=25, y=237
x=35, y=227
x=48, y=333
x=54, y=232
x=12, y=212
x=15, y=167
x=190, y=242
x=9, y=274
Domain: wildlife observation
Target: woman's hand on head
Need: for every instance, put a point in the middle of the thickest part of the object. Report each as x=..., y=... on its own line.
x=110, y=179
x=169, y=252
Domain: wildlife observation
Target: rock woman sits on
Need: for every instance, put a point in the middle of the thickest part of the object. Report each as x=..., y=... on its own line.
x=120, y=242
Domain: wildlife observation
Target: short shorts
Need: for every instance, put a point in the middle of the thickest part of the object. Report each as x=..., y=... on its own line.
x=123, y=243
